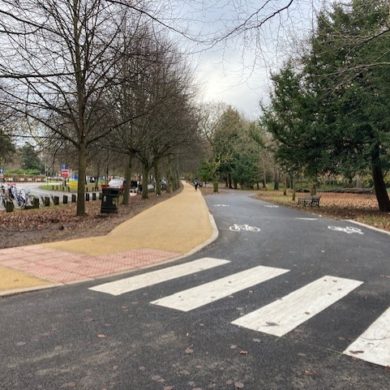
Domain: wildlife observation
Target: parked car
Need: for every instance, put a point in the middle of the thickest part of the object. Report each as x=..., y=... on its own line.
x=116, y=183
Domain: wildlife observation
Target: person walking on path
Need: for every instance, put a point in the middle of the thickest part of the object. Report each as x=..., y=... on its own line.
x=196, y=184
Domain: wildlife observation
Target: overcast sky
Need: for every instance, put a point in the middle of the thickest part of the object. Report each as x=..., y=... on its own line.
x=236, y=70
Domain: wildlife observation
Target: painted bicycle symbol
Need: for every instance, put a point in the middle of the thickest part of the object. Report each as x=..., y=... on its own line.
x=245, y=228
x=347, y=229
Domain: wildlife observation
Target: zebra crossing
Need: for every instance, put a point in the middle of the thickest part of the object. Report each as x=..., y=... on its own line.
x=207, y=293
x=285, y=314
x=277, y=318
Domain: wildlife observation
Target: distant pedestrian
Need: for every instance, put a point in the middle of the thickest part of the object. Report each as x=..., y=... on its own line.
x=196, y=184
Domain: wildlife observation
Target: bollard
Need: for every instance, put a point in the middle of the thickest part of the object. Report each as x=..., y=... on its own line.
x=35, y=203
x=56, y=200
x=87, y=196
x=9, y=206
x=46, y=201
x=74, y=198
x=93, y=195
x=65, y=199
x=100, y=195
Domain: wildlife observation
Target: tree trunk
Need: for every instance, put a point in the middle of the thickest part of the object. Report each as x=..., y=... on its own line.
x=145, y=179
x=81, y=181
x=285, y=186
x=230, y=180
x=97, y=176
x=313, y=190
x=379, y=183
x=292, y=181
x=169, y=183
x=264, y=175
x=157, y=178
x=276, y=180
x=126, y=189
x=176, y=177
x=215, y=185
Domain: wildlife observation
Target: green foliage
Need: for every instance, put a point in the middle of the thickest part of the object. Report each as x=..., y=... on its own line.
x=206, y=171
x=245, y=170
x=30, y=159
x=7, y=148
x=332, y=115
x=226, y=140
x=24, y=172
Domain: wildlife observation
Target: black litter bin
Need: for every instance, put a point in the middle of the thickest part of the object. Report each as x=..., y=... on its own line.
x=110, y=200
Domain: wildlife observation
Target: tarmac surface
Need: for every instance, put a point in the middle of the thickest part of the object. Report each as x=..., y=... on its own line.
x=165, y=232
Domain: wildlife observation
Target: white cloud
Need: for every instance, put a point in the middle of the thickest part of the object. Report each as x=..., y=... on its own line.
x=237, y=71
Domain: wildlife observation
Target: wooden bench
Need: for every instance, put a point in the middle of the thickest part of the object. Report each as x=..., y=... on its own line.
x=312, y=201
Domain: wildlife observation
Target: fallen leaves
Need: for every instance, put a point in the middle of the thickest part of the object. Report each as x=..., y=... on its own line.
x=356, y=352
x=60, y=222
x=360, y=207
x=311, y=373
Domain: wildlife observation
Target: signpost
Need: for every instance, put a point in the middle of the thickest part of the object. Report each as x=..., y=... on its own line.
x=65, y=172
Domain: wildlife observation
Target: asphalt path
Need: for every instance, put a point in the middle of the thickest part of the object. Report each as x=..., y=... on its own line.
x=74, y=337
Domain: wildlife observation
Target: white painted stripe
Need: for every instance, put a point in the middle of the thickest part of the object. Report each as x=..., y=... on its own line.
x=374, y=344
x=369, y=227
x=209, y=292
x=162, y=275
x=307, y=219
x=285, y=314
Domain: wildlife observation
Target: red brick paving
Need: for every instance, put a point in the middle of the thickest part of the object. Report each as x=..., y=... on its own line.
x=62, y=267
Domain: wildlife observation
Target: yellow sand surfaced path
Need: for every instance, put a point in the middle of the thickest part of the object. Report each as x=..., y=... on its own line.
x=14, y=280
x=179, y=225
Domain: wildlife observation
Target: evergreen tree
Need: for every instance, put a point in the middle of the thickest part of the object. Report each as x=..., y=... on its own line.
x=333, y=114
x=30, y=158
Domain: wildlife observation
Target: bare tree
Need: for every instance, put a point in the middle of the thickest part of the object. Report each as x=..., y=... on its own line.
x=60, y=66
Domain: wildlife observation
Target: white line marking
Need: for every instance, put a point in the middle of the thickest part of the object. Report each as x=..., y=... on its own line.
x=209, y=292
x=347, y=229
x=374, y=344
x=307, y=219
x=285, y=314
x=150, y=278
x=245, y=228
x=369, y=227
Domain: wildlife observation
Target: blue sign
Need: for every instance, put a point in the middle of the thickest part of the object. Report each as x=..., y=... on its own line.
x=64, y=167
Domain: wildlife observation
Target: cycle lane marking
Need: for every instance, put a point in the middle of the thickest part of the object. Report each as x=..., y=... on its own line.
x=244, y=227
